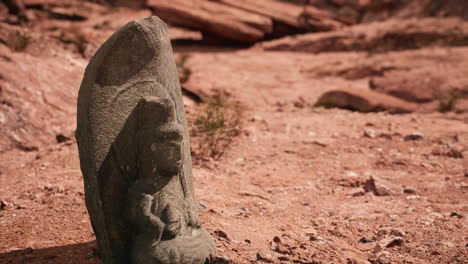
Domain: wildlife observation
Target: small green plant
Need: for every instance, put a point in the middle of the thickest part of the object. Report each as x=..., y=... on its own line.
x=448, y=101
x=327, y=103
x=18, y=40
x=215, y=127
x=183, y=71
x=79, y=40
x=76, y=37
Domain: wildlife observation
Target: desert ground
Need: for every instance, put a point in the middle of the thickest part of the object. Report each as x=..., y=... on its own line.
x=342, y=146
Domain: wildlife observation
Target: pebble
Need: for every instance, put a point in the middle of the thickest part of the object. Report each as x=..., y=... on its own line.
x=369, y=132
x=414, y=136
x=264, y=257
x=391, y=241
x=409, y=191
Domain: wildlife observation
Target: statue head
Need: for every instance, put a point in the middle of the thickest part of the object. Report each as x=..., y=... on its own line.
x=159, y=138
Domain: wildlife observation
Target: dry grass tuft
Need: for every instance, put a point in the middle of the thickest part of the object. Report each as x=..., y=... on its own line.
x=215, y=126
x=448, y=100
x=18, y=40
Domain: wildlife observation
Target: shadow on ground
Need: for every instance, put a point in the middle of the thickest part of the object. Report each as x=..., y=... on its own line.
x=71, y=254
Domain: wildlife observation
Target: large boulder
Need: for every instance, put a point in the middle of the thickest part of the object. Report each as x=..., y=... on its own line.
x=245, y=21
x=363, y=100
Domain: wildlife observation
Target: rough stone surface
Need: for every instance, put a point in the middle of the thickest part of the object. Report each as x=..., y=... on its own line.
x=135, y=152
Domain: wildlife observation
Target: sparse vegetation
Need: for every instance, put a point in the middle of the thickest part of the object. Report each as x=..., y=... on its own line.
x=77, y=38
x=81, y=42
x=18, y=40
x=448, y=100
x=327, y=103
x=215, y=126
x=183, y=71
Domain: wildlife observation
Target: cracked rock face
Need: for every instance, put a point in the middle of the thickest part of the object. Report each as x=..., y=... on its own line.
x=135, y=152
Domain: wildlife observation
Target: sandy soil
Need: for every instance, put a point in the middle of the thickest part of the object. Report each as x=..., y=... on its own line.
x=291, y=189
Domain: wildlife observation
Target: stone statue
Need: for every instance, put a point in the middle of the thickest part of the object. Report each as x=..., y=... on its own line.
x=135, y=152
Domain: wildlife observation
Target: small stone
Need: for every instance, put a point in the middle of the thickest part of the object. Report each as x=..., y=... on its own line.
x=62, y=138
x=409, y=191
x=264, y=257
x=391, y=241
x=220, y=259
x=221, y=234
x=365, y=240
x=3, y=205
x=369, y=132
x=377, y=189
x=397, y=232
x=257, y=118
x=436, y=216
x=276, y=239
x=455, y=214
x=414, y=136
x=366, y=246
x=412, y=197
x=351, y=174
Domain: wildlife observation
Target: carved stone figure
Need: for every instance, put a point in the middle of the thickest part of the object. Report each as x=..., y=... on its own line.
x=135, y=152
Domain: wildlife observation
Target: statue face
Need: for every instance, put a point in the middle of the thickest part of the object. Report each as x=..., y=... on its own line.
x=167, y=154
x=161, y=151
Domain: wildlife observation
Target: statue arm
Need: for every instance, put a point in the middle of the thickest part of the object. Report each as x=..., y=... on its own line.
x=173, y=220
x=148, y=220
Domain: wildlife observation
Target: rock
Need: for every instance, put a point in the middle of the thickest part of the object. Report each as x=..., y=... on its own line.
x=408, y=85
x=214, y=18
x=3, y=204
x=245, y=21
x=452, y=152
x=62, y=138
x=377, y=189
x=351, y=174
x=422, y=85
x=390, y=241
x=414, y=136
x=444, y=245
x=409, y=191
x=378, y=37
x=264, y=258
x=134, y=151
x=389, y=231
x=220, y=259
x=67, y=14
x=364, y=101
x=369, y=132
x=455, y=214
x=366, y=239
x=295, y=17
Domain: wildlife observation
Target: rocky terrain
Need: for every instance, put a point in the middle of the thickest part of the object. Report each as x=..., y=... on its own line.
x=345, y=135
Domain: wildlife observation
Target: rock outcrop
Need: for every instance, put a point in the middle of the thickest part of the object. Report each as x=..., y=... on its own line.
x=378, y=37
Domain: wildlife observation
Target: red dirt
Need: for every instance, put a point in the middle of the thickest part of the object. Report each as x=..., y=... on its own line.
x=289, y=190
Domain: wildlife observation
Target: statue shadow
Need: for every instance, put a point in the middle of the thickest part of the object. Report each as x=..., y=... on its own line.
x=80, y=253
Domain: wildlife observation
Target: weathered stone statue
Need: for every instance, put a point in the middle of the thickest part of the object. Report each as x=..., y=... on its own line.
x=135, y=152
